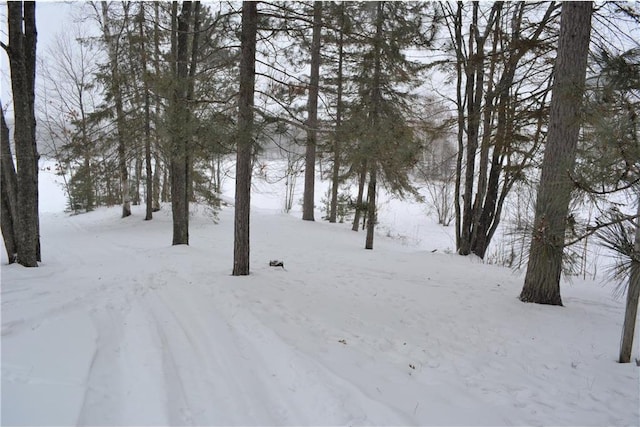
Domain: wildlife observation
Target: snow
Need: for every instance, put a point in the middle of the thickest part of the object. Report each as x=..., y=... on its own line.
x=117, y=327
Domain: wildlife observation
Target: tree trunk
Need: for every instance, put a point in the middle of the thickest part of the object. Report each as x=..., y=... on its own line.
x=179, y=134
x=360, y=198
x=337, y=141
x=138, y=169
x=190, y=94
x=633, y=294
x=374, y=118
x=166, y=186
x=120, y=117
x=22, y=48
x=308, y=203
x=149, y=191
x=371, y=208
x=9, y=188
x=542, y=281
x=474, y=87
x=158, y=170
x=245, y=138
x=460, y=121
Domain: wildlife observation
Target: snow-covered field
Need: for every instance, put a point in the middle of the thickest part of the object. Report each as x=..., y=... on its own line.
x=117, y=327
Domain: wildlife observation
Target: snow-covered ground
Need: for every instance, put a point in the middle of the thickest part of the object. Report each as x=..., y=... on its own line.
x=117, y=327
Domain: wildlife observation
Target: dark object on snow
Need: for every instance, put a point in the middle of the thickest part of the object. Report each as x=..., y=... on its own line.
x=276, y=263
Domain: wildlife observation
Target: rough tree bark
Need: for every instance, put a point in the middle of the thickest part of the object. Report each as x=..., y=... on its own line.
x=245, y=138
x=542, y=281
x=371, y=208
x=360, y=198
x=22, y=57
x=9, y=188
x=312, y=118
x=179, y=129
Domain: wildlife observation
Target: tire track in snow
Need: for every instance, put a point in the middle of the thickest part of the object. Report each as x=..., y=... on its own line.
x=332, y=399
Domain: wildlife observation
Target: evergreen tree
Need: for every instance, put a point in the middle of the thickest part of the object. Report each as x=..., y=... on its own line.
x=387, y=147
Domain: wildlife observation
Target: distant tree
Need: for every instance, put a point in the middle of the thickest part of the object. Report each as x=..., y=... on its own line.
x=542, y=280
x=245, y=137
x=22, y=61
x=70, y=96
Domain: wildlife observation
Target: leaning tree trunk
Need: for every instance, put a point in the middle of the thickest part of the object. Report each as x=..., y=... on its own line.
x=312, y=119
x=8, y=188
x=542, y=281
x=360, y=212
x=21, y=50
x=633, y=294
x=245, y=138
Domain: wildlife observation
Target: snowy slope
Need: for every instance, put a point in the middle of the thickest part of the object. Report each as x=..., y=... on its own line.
x=117, y=327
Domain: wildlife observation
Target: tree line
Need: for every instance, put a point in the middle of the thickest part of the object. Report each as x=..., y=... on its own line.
x=145, y=108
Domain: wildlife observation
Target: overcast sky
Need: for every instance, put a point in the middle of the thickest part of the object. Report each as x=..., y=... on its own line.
x=51, y=19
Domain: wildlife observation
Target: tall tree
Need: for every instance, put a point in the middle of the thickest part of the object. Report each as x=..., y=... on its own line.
x=114, y=47
x=180, y=131
x=244, y=141
x=386, y=146
x=338, y=134
x=312, y=116
x=22, y=61
x=147, y=116
x=374, y=117
x=501, y=94
x=542, y=280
